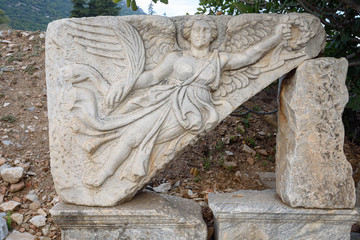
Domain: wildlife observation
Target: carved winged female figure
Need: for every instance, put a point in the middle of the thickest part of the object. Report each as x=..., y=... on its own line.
x=143, y=94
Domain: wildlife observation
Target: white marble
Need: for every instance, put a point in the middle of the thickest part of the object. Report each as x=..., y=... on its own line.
x=311, y=168
x=127, y=94
x=148, y=216
x=261, y=215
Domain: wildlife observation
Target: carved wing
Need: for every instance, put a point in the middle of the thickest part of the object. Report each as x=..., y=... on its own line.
x=159, y=36
x=118, y=46
x=242, y=32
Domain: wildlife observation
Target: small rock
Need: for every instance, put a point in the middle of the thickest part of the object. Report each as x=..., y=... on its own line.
x=13, y=174
x=31, y=109
x=162, y=188
x=46, y=229
x=38, y=221
x=6, y=104
x=229, y=153
x=31, y=128
x=41, y=35
x=9, y=206
x=31, y=38
x=17, y=186
x=15, y=235
x=250, y=160
x=229, y=164
x=262, y=152
x=238, y=174
x=4, y=166
x=2, y=161
x=177, y=184
x=35, y=205
x=7, y=142
x=248, y=150
x=32, y=196
x=18, y=218
x=262, y=133
x=42, y=212
x=25, y=34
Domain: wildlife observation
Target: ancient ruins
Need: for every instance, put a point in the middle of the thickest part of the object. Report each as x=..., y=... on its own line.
x=127, y=94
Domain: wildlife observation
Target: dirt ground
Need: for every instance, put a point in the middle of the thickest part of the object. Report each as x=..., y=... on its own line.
x=216, y=163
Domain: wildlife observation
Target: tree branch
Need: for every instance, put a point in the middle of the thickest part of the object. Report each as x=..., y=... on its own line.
x=352, y=4
x=355, y=63
x=354, y=54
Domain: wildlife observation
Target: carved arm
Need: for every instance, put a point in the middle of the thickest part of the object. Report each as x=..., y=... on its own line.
x=232, y=61
x=158, y=74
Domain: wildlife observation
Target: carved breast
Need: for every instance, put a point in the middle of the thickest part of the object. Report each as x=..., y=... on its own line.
x=183, y=69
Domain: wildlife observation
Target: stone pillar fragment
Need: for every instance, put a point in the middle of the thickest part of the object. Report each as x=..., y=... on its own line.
x=148, y=216
x=312, y=170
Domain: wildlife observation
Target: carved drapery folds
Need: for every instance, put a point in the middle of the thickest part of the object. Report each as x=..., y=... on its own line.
x=126, y=94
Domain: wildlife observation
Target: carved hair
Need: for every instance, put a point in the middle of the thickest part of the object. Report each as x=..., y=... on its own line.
x=189, y=24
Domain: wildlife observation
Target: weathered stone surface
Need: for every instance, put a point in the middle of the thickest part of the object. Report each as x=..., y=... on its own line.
x=127, y=94
x=38, y=221
x=9, y=206
x=13, y=174
x=311, y=168
x=261, y=215
x=148, y=216
x=18, y=218
x=3, y=227
x=17, y=186
x=15, y=235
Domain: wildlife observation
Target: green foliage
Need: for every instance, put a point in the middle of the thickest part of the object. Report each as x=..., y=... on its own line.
x=79, y=9
x=33, y=15
x=133, y=5
x=8, y=118
x=4, y=19
x=102, y=8
x=8, y=219
x=250, y=141
x=206, y=163
x=341, y=19
x=197, y=178
x=219, y=146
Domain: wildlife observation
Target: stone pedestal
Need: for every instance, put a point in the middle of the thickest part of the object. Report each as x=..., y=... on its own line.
x=261, y=215
x=147, y=216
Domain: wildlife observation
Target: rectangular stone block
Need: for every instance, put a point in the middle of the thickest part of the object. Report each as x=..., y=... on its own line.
x=261, y=215
x=311, y=167
x=148, y=216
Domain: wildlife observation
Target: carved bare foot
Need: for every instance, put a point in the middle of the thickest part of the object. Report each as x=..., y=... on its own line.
x=139, y=167
x=93, y=175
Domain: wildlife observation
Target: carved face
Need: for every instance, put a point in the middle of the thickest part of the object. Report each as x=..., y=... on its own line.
x=200, y=37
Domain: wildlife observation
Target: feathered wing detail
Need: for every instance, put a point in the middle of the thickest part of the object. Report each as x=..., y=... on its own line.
x=236, y=79
x=243, y=32
x=118, y=46
x=159, y=36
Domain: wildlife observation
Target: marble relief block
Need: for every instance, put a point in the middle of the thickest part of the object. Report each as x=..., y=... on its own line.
x=127, y=94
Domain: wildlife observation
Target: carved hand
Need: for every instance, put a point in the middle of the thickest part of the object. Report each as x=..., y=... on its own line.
x=114, y=94
x=284, y=30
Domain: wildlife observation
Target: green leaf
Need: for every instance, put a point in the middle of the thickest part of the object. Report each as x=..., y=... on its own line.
x=116, y=1
x=164, y=1
x=133, y=5
x=128, y=3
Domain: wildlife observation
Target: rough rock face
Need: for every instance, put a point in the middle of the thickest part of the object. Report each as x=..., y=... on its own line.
x=312, y=170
